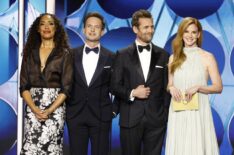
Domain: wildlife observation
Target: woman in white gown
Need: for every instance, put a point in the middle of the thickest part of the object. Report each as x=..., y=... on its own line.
x=191, y=132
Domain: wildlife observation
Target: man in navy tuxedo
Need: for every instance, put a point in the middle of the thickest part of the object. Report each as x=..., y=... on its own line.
x=139, y=80
x=90, y=109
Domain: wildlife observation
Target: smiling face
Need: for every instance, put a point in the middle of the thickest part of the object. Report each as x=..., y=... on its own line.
x=47, y=27
x=93, y=29
x=191, y=35
x=145, y=30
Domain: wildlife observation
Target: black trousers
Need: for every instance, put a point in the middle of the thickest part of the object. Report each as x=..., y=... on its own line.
x=85, y=127
x=144, y=137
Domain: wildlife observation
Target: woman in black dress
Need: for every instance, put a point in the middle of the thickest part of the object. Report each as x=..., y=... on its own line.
x=45, y=82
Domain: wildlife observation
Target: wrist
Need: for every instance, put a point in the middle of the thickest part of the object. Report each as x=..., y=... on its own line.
x=169, y=88
x=34, y=109
x=133, y=93
x=198, y=88
x=50, y=110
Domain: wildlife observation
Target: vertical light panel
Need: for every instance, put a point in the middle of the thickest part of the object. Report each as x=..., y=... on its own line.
x=50, y=6
x=20, y=101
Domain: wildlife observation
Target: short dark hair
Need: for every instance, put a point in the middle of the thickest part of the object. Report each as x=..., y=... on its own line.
x=94, y=14
x=140, y=14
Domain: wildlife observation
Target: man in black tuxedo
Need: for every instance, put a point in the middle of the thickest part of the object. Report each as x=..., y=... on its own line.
x=139, y=79
x=89, y=110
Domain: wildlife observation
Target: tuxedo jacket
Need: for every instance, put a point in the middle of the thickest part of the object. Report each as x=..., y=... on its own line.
x=95, y=95
x=128, y=74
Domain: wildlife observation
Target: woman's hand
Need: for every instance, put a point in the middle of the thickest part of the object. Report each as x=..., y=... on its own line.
x=48, y=112
x=175, y=93
x=190, y=92
x=40, y=114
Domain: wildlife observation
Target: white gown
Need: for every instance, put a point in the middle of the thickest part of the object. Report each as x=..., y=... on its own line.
x=191, y=132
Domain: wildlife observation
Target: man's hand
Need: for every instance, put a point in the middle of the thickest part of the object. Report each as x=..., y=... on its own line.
x=141, y=92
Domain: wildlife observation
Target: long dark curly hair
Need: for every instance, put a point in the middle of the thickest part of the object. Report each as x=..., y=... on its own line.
x=34, y=37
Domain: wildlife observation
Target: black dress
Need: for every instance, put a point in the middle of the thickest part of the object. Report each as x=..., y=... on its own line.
x=45, y=138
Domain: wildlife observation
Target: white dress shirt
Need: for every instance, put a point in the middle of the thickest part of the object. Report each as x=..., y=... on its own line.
x=145, y=59
x=89, y=62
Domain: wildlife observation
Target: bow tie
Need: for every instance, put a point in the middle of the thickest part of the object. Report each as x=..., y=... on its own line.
x=95, y=50
x=140, y=48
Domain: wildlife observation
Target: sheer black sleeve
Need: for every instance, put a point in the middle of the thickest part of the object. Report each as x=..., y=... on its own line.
x=67, y=74
x=24, y=76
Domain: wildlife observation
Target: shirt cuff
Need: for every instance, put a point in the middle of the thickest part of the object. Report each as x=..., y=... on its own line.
x=131, y=98
x=113, y=115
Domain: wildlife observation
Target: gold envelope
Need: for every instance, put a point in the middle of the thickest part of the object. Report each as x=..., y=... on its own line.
x=184, y=105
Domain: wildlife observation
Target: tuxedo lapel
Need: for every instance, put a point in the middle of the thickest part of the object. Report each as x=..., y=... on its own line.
x=79, y=65
x=153, y=61
x=100, y=65
x=136, y=62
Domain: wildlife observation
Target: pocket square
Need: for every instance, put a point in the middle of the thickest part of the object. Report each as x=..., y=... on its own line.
x=158, y=66
x=107, y=67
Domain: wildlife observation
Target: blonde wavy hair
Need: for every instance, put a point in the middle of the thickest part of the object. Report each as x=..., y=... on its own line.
x=178, y=43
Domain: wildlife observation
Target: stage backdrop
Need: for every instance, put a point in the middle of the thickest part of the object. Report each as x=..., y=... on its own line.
x=216, y=16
